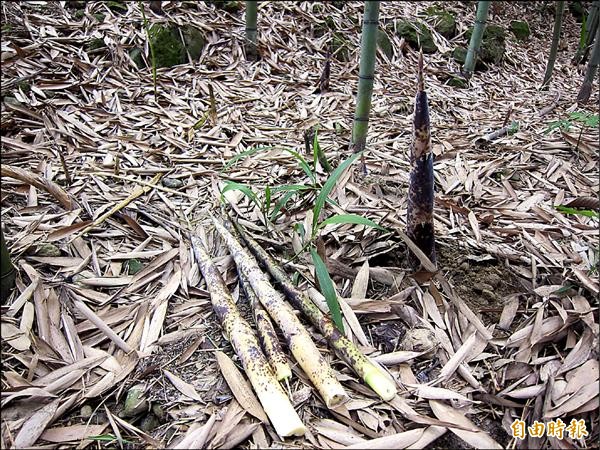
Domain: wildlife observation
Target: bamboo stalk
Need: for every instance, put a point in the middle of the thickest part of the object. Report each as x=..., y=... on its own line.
x=589, y=31
x=251, y=30
x=266, y=333
x=558, y=18
x=419, y=220
x=586, y=88
x=7, y=270
x=276, y=404
x=476, y=37
x=366, y=74
x=299, y=341
x=369, y=372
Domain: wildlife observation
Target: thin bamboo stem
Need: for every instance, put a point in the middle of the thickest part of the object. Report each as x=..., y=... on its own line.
x=558, y=18
x=7, y=270
x=586, y=88
x=251, y=30
x=476, y=37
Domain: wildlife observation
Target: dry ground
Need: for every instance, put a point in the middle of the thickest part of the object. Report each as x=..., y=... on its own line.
x=512, y=313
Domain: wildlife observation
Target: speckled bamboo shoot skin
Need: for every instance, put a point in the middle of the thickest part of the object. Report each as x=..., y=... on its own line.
x=298, y=339
x=266, y=333
x=420, y=191
x=370, y=373
x=275, y=402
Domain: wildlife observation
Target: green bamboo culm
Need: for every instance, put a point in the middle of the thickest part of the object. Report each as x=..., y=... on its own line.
x=147, y=27
x=476, y=37
x=251, y=31
x=592, y=68
x=368, y=49
x=588, y=33
x=558, y=18
x=7, y=270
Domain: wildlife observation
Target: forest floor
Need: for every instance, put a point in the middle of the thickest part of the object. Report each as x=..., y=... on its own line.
x=507, y=329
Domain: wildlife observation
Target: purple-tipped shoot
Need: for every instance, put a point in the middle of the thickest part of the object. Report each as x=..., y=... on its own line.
x=420, y=192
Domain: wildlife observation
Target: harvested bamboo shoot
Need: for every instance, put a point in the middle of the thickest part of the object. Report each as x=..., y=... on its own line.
x=266, y=333
x=275, y=402
x=299, y=341
x=369, y=372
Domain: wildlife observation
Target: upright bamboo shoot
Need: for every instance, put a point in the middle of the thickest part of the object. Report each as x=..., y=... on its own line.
x=419, y=220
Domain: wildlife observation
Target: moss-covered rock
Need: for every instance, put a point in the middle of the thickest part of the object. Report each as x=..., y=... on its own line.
x=340, y=47
x=457, y=81
x=577, y=9
x=225, y=5
x=492, y=45
x=169, y=50
x=95, y=44
x=520, y=29
x=194, y=41
x=117, y=7
x=460, y=54
x=383, y=42
x=443, y=21
x=416, y=35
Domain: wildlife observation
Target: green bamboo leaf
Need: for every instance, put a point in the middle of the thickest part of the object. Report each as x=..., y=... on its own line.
x=318, y=154
x=280, y=204
x=328, y=187
x=267, y=198
x=233, y=186
x=580, y=212
x=242, y=155
x=327, y=289
x=351, y=218
x=303, y=164
x=292, y=187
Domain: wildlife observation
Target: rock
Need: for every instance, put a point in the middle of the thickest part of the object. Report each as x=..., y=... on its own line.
x=520, y=29
x=480, y=287
x=489, y=295
x=86, y=411
x=383, y=42
x=46, y=250
x=134, y=266
x=492, y=45
x=169, y=50
x=135, y=402
x=339, y=47
x=494, y=280
x=416, y=35
x=444, y=22
x=228, y=6
x=149, y=423
x=419, y=340
x=459, y=82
